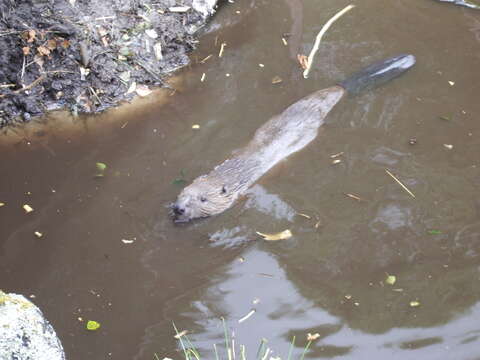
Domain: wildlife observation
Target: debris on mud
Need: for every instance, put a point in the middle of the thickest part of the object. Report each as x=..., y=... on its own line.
x=87, y=55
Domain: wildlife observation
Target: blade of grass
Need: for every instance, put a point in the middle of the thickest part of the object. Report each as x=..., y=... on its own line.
x=216, y=352
x=225, y=331
x=292, y=344
x=192, y=348
x=156, y=356
x=260, y=348
x=242, y=352
x=305, y=350
x=187, y=357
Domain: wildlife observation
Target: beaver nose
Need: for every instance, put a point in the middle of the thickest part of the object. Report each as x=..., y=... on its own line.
x=178, y=210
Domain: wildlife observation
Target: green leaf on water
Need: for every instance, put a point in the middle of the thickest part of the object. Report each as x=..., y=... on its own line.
x=93, y=325
x=101, y=166
x=434, y=232
x=446, y=118
x=179, y=181
x=391, y=279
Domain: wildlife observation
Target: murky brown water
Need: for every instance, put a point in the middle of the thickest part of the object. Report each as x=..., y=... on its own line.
x=328, y=280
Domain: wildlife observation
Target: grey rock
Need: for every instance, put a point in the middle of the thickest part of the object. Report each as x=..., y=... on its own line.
x=25, y=334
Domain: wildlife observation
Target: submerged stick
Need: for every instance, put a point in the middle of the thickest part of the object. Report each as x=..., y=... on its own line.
x=399, y=183
x=320, y=35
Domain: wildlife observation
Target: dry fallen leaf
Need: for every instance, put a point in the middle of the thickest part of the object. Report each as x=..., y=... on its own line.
x=30, y=35
x=303, y=60
x=51, y=44
x=195, y=126
x=312, y=337
x=286, y=234
x=65, y=43
x=26, y=50
x=414, y=303
x=2, y=204
x=44, y=51
x=38, y=234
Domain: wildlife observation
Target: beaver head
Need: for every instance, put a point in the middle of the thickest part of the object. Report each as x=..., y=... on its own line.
x=206, y=196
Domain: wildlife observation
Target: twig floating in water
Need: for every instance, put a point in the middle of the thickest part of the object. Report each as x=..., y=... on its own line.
x=400, y=183
x=222, y=47
x=353, y=196
x=246, y=316
x=320, y=35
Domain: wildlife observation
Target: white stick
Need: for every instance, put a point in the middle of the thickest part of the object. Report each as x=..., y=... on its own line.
x=320, y=35
x=246, y=316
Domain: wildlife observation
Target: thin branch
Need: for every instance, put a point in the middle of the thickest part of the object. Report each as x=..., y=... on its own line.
x=320, y=35
x=400, y=183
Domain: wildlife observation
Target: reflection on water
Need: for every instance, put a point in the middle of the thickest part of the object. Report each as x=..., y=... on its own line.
x=259, y=283
x=329, y=278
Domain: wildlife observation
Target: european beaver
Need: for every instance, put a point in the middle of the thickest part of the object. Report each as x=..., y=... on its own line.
x=278, y=138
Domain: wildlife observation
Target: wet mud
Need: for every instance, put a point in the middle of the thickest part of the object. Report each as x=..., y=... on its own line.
x=329, y=279
x=87, y=56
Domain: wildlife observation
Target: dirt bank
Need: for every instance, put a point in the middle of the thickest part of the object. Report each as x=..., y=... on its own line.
x=87, y=55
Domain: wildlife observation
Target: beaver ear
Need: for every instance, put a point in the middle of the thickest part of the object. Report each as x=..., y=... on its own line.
x=224, y=189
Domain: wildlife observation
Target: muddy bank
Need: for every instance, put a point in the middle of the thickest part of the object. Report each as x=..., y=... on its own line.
x=88, y=55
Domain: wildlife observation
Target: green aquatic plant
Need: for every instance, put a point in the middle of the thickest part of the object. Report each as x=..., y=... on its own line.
x=263, y=352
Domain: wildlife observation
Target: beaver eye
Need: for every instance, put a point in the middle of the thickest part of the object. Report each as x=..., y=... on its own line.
x=202, y=199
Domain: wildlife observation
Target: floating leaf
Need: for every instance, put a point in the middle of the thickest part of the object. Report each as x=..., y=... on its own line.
x=391, y=279
x=179, y=181
x=2, y=204
x=38, y=234
x=286, y=234
x=434, y=232
x=414, y=303
x=101, y=166
x=93, y=325
x=27, y=208
x=303, y=60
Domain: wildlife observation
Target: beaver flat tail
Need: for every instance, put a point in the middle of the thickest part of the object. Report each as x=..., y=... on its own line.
x=378, y=73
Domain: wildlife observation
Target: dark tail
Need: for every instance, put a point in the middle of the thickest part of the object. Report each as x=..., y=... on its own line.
x=378, y=73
